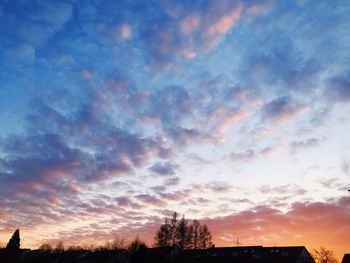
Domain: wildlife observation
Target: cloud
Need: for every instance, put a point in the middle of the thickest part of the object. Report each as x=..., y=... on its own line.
x=186, y=30
x=304, y=222
x=253, y=8
x=283, y=190
x=126, y=202
x=190, y=23
x=150, y=199
x=63, y=152
x=170, y=104
x=38, y=173
x=21, y=52
x=299, y=145
x=232, y=118
x=37, y=159
x=165, y=168
x=185, y=136
x=218, y=187
x=281, y=110
x=41, y=21
x=248, y=155
x=174, y=196
x=272, y=150
x=338, y=89
x=172, y=181
x=227, y=17
x=345, y=167
x=125, y=31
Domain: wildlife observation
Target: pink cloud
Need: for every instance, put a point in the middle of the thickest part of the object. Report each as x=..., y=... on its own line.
x=188, y=53
x=224, y=23
x=259, y=8
x=312, y=224
x=272, y=150
x=125, y=31
x=231, y=119
x=190, y=23
x=220, y=27
x=87, y=74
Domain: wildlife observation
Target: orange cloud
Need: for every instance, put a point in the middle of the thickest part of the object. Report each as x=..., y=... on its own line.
x=312, y=224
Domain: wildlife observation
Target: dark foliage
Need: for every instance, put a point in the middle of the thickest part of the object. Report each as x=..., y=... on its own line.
x=175, y=232
x=14, y=242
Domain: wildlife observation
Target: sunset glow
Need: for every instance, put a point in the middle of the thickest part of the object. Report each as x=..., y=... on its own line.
x=115, y=114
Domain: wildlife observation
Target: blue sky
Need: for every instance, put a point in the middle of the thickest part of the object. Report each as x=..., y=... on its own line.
x=116, y=113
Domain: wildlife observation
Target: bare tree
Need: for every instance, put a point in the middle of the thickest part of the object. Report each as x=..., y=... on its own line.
x=59, y=248
x=46, y=246
x=118, y=242
x=173, y=227
x=195, y=233
x=182, y=234
x=163, y=236
x=323, y=255
x=204, y=237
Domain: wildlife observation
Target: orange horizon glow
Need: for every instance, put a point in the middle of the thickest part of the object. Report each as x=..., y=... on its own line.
x=308, y=224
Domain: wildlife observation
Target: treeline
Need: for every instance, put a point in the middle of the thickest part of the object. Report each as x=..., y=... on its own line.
x=175, y=231
x=117, y=243
x=182, y=233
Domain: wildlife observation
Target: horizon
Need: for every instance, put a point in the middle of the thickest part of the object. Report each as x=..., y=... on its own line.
x=115, y=114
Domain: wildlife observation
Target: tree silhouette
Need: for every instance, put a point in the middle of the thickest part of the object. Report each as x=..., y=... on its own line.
x=14, y=242
x=323, y=255
x=136, y=245
x=173, y=228
x=182, y=234
x=137, y=250
x=195, y=233
x=204, y=237
x=59, y=247
x=46, y=247
x=118, y=242
x=12, y=250
x=163, y=236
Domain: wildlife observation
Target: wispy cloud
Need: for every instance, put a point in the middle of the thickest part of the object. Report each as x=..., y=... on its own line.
x=298, y=145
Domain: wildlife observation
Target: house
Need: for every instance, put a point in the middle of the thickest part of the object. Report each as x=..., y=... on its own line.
x=298, y=254
x=252, y=254
x=346, y=258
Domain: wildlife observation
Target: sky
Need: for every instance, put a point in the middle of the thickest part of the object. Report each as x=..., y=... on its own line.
x=114, y=114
